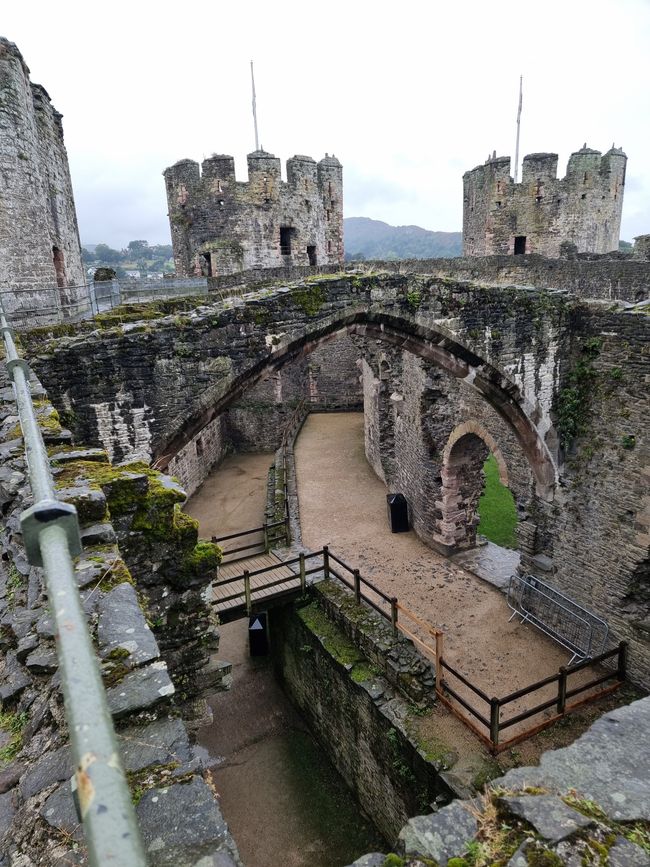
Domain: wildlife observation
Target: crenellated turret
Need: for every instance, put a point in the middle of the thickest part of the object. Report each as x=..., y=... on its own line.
x=220, y=225
x=540, y=213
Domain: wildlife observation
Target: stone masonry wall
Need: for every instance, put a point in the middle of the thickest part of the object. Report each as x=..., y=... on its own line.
x=583, y=208
x=37, y=206
x=127, y=591
x=220, y=226
x=360, y=721
x=606, y=277
x=193, y=463
x=515, y=348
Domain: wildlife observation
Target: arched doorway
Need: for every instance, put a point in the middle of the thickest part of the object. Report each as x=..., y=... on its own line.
x=463, y=482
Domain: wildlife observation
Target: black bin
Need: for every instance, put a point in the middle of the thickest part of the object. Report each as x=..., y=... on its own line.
x=258, y=634
x=398, y=513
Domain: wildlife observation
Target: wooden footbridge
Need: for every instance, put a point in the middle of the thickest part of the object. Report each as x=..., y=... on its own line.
x=257, y=582
x=251, y=584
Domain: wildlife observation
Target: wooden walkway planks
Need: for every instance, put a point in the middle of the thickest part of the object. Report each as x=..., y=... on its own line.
x=259, y=590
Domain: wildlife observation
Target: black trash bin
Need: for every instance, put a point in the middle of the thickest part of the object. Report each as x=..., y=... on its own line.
x=258, y=634
x=398, y=513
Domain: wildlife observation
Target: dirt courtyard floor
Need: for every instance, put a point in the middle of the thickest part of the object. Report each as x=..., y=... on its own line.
x=343, y=505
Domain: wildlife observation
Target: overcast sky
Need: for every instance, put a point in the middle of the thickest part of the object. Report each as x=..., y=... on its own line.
x=408, y=95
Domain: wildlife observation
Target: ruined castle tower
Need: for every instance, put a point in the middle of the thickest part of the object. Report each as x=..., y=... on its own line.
x=39, y=237
x=220, y=225
x=501, y=217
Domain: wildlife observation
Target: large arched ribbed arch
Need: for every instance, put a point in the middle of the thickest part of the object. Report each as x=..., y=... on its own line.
x=434, y=345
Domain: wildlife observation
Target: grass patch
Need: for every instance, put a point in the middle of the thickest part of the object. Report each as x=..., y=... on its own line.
x=496, y=508
x=13, y=724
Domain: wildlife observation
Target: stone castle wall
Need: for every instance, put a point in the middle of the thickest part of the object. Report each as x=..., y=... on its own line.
x=529, y=355
x=141, y=586
x=543, y=211
x=220, y=226
x=597, y=276
x=39, y=237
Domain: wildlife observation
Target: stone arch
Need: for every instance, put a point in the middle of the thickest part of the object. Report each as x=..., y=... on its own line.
x=475, y=427
x=434, y=344
x=463, y=458
x=462, y=484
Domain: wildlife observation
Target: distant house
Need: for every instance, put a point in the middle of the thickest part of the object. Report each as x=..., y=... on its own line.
x=135, y=275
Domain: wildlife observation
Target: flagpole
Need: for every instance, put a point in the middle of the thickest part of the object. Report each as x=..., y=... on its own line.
x=257, y=142
x=521, y=78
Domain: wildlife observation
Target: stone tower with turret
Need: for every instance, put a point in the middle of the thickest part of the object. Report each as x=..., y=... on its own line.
x=501, y=217
x=220, y=225
x=39, y=237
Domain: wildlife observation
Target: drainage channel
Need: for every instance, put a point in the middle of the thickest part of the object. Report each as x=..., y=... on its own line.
x=283, y=800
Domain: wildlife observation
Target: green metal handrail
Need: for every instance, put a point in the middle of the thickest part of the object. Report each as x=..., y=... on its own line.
x=51, y=535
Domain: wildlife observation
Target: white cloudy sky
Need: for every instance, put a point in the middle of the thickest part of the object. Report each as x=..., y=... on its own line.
x=407, y=94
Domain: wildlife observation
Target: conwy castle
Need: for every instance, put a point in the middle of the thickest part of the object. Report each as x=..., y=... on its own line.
x=474, y=716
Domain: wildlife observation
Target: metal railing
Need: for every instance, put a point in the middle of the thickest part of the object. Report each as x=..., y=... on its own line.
x=51, y=536
x=571, y=625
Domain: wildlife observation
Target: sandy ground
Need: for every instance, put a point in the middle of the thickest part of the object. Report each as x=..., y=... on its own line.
x=233, y=497
x=343, y=505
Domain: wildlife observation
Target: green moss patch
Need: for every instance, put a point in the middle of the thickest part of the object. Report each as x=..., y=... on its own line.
x=333, y=639
x=13, y=724
x=310, y=299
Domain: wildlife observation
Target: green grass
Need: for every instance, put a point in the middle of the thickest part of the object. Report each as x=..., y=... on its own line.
x=496, y=509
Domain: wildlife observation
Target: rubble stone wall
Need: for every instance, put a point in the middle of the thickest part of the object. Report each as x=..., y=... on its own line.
x=141, y=574
x=39, y=236
x=220, y=226
x=567, y=379
x=542, y=211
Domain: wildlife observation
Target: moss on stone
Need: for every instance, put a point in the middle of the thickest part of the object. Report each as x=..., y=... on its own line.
x=333, y=639
x=203, y=559
x=13, y=724
x=542, y=857
x=118, y=574
x=118, y=653
x=310, y=299
x=150, y=501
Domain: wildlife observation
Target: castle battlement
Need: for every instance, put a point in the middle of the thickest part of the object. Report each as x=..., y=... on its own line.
x=220, y=225
x=543, y=211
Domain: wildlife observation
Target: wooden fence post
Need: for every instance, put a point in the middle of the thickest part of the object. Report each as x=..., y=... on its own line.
x=622, y=661
x=326, y=561
x=440, y=641
x=301, y=558
x=357, y=586
x=494, y=721
x=393, y=614
x=561, y=690
x=247, y=592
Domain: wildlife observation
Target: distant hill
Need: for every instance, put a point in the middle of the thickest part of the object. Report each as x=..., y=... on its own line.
x=372, y=239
